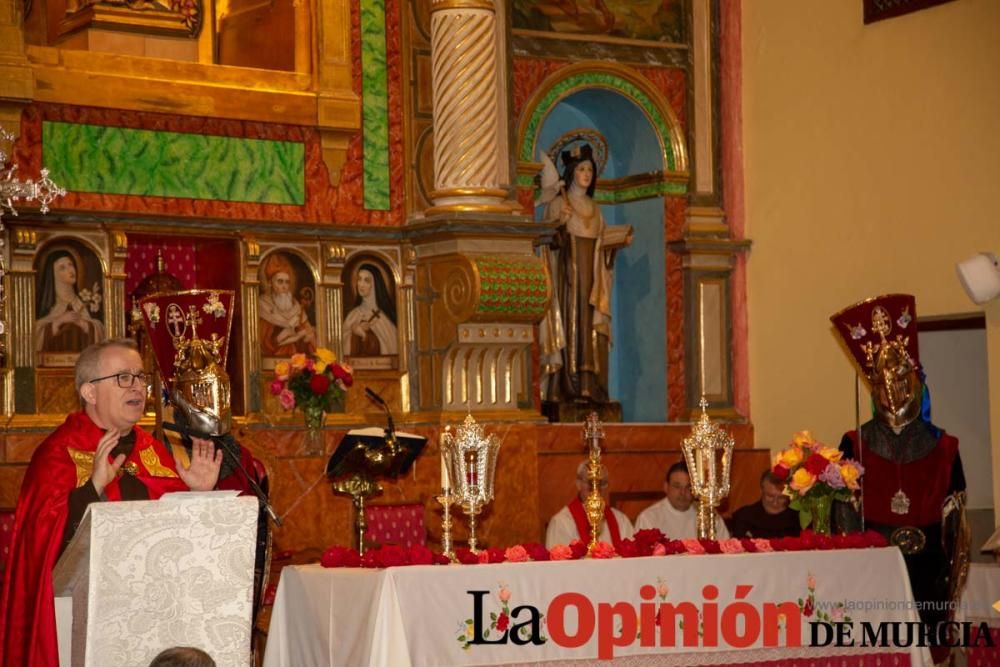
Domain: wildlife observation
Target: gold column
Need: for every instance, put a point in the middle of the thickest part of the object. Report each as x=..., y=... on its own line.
x=466, y=109
x=114, y=286
x=251, y=347
x=332, y=316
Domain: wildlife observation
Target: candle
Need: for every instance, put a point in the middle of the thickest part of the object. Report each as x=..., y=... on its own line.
x=445, y=481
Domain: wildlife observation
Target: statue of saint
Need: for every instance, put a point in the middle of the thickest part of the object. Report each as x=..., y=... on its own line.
x=576, y=332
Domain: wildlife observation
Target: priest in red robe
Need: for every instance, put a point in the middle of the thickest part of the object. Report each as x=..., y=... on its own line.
x=570, y=523
x=98, y=454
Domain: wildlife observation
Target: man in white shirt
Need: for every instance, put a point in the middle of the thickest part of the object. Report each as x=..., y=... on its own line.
x=570, y=523
x=676, y=514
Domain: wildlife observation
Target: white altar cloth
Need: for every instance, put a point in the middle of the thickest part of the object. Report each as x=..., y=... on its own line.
x=419, y=615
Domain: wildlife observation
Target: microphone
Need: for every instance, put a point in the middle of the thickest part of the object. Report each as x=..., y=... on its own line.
x=391, y=429
x=230, y=449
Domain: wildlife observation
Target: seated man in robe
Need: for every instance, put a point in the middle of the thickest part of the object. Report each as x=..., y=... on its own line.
x=770, y=516
x=676, y=514
x=97, y=455
x=570, y=523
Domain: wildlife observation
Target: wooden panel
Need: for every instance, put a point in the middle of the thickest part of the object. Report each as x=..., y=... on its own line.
x=55, y=391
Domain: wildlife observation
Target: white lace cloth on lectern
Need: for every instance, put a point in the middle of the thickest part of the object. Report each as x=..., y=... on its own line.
x=174, y=574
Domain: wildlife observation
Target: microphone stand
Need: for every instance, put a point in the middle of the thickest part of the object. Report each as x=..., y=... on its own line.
x=225, y=444
x=390, y=431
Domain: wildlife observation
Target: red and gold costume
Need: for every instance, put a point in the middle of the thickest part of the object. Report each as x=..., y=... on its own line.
x=60, y=468
x=913, y=489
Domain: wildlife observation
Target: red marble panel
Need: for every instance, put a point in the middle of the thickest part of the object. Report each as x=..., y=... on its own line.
x=675, y=343
x=731, y=121
x=672, y=83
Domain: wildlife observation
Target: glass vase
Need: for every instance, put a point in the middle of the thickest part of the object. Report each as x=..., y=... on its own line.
x=314, y=444
x=819, y=510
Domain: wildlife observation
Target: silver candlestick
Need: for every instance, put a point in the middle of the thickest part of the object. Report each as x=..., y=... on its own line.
x=472, y=459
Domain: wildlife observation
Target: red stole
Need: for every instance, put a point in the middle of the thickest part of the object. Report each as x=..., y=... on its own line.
x=583, y=526
x=27, y=612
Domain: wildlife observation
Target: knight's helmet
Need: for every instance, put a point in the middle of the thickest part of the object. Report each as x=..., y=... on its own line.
x=881, y=335
x=189, y=333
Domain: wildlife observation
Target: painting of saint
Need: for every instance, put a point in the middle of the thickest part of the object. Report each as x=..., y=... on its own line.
x=650, y=20
x=370, y=325
x=69, y=314
x=286, y=308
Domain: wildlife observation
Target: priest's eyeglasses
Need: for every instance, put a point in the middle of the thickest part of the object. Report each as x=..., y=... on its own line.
x=126, y=379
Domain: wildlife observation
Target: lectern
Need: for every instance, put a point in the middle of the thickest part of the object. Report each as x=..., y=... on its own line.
x=364, y=455
x=148, y=575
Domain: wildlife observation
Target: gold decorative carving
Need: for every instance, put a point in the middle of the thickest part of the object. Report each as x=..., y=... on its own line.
x=253, y=248
x=25, y=239
x=334, y=152
x=119, y=242
x=442, y=5
x=459, y=293
x=336, y=253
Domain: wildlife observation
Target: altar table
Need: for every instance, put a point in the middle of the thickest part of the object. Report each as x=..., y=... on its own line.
x=423, y=615
x=982, y=591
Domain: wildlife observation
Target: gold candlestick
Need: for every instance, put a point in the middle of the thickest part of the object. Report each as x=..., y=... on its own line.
x=446, y=499
x=593, y=433
x=709, y=455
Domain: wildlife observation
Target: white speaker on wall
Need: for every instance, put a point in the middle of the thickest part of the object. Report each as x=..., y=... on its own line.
x=980, y=276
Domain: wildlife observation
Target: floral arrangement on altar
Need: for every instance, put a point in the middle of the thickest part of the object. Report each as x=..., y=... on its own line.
x=312, y=382
x=644, y=543
x=815, y=475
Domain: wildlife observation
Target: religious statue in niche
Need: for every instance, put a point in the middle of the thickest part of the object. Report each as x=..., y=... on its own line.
x=575, y=334
x=69, y=309
x=370, y=333
x=287, y=306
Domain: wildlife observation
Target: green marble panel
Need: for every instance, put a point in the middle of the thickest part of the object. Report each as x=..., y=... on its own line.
x=375, y=105
x=117, y=160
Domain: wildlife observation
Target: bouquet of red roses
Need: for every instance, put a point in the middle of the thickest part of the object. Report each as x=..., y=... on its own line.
x=312, y=382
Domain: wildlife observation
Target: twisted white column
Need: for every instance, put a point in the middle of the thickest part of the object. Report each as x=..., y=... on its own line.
x=466, y=127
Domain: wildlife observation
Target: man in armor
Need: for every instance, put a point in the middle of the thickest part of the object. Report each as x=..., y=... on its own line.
x=913, y=490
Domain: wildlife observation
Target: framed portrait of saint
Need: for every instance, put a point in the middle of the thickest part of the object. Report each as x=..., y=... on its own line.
x=286, y=307
x=69, y=302
x=370, y=334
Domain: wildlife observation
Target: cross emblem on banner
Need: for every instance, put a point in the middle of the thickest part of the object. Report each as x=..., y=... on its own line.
x=175, y=321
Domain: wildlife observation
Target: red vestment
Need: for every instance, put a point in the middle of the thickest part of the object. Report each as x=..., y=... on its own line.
x=583, y=526
x=27, y=610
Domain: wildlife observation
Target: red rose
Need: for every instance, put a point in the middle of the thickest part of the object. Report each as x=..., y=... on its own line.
x=781, y=472
x=503, y=621
x=711, y=546
x=630, y=549
x=391, y=555
x=807, y=610
x=441, y=559
x=421, y=555
x=465, y=556
x=816, y=463
x=536, y=551
x=578, y=549
x=340, y=557
x=342, y=375
x=318, y=384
